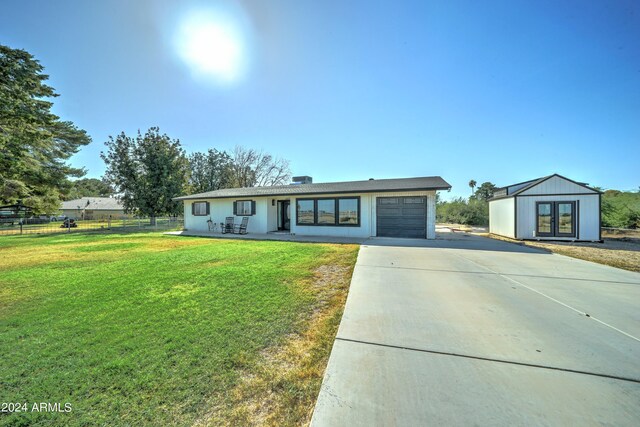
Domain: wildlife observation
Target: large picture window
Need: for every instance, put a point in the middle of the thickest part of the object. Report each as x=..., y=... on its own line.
x=348, y=211
x=339, y=211
x=305, y=212
x=327, y=211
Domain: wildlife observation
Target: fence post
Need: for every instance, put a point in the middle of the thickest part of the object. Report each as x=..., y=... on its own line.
x=20, y=227
x=68, y=226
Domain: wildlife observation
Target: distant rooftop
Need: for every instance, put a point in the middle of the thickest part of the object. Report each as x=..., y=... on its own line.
x=93, y=203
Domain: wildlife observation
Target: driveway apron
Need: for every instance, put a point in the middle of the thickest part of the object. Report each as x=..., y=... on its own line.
x=473, y=331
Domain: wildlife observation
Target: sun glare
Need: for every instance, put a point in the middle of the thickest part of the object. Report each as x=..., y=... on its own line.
x=212, y=45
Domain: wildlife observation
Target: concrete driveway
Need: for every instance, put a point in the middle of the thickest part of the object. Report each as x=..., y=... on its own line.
x=473, y=331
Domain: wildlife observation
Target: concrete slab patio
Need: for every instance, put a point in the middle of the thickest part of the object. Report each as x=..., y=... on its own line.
x=467, y=330
x=282, y=237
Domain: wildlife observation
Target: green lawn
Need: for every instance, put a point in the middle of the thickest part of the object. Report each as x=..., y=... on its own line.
x=146, y=329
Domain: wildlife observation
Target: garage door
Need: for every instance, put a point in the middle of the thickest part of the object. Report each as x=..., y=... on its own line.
x=401, y=217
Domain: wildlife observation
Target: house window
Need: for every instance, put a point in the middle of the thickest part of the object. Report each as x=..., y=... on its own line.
x=348, y=211
x=244, y=207
x=200, y=208
x=341, y=211
x=305, y=212
x=327, y=211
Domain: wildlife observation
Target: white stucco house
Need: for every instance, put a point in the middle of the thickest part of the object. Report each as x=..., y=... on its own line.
x=548, y=208
x=382, y=207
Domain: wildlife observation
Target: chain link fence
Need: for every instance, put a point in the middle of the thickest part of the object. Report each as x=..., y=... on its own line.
x=29, y=226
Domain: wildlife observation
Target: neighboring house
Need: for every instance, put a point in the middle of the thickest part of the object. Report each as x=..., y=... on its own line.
x=385, y=207
x=93, y=208
x=548, y=208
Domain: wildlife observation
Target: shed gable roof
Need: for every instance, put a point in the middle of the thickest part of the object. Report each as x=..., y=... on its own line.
x=551, y=184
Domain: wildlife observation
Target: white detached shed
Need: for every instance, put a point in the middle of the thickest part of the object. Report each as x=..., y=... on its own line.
x=548, y=208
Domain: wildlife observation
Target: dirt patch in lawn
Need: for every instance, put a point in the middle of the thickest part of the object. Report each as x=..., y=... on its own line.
x=283, y=387
x=616, y=251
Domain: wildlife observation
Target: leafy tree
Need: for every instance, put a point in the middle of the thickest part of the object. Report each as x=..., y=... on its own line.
x=89, y=187
x=461, y=211
x=472, y=184
x=485, y=191
x=253, y=168
x=210, y=171
x=620, y=209
x=147, y=172
x=34, y=143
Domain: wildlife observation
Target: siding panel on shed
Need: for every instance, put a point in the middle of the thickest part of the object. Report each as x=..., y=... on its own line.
x=588, y=216
x=502, y=217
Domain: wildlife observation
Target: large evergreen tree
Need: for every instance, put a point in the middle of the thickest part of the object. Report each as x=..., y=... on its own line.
x=34, y=143
x=147, y=172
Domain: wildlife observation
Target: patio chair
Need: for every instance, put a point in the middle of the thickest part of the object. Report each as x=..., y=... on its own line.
x=228, y=225
x=242, y=227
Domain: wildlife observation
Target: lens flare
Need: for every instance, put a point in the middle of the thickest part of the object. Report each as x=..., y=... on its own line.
x=213, y=46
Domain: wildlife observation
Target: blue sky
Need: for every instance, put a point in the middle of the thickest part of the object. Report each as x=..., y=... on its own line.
x=493, y=91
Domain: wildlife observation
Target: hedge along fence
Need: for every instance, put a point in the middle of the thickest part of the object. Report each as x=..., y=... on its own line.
x=37, y=226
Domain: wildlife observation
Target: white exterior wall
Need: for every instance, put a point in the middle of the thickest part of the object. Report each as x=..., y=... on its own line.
x=588, y=220
x=219, y=209
x=272, y=213
x=502, y=217
x=266, y=217
x=368, y=202
x=557, y=185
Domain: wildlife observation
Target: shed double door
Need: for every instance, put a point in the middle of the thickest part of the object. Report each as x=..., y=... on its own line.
x=556, y=219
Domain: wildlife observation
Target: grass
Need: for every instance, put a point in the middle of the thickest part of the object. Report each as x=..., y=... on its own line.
x=146, y=329
x=620, y=252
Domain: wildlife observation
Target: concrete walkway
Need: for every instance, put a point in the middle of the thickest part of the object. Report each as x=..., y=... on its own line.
x=282, y=237
x=474, y=331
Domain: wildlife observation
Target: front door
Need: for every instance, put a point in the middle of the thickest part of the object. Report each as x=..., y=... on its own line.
x=284, y=219
x=556, y=219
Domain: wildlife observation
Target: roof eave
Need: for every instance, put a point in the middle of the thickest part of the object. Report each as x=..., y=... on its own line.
x=205, y=196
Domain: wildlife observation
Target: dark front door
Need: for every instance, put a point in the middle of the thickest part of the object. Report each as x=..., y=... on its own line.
x=556, y=219
x=284, y=220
